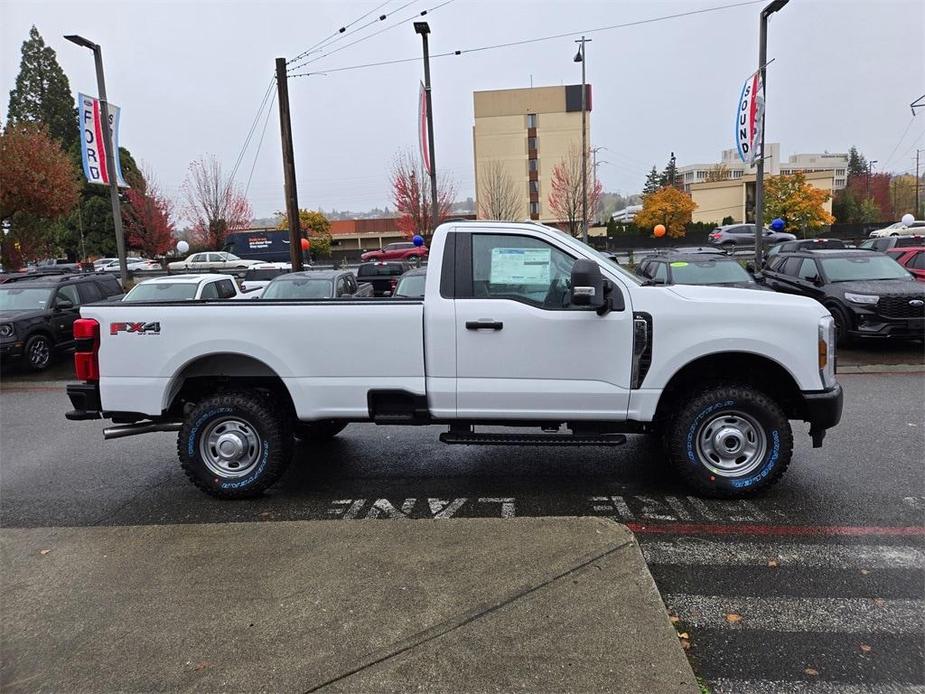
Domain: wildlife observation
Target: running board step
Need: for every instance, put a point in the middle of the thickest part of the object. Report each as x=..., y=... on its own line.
x=475, y=439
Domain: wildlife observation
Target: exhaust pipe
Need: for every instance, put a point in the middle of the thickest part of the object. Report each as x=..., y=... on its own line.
x=123, y=430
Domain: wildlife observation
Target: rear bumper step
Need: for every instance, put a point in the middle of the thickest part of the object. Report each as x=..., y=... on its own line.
x=475, y=439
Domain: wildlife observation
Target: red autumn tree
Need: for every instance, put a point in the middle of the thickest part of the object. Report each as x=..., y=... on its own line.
x=213, y=204
x=877, y=188
x=147, y=218
x=565, y=197
x=38, y=181
x=412, y=197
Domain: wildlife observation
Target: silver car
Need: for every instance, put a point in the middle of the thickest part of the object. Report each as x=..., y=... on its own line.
x=733, y=235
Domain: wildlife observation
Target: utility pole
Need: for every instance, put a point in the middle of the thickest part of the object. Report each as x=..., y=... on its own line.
x=870, y=168
x=580, y=58
x=594, y=164
x=107, y=146
x=423, y=28
x=918, y=211
x=759, y=175
x=292, y=198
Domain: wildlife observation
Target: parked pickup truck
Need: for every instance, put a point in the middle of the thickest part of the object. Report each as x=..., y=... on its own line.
x=521, y=326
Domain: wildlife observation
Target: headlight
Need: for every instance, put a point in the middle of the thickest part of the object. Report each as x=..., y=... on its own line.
x=6, y=330
x=869, y=299
x=827, y=351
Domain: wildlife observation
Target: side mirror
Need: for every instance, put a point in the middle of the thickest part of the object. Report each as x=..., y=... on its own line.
x=587, y=284
x=64, y=304
x=750, y=268
x=758, y=277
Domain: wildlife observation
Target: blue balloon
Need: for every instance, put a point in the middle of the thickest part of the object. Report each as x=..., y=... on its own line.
x=418, y=240
x=778, y=224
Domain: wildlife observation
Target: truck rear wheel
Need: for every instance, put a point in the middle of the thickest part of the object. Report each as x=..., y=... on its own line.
x=234, y=445
x=729, y=441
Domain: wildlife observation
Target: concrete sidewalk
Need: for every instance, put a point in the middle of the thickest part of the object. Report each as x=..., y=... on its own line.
x=528, y=604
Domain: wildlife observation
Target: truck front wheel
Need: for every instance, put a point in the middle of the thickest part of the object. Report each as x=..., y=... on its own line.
x=729, y=441
x=234, y=445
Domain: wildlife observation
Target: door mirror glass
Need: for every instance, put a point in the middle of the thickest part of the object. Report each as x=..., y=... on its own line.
x=587, y=284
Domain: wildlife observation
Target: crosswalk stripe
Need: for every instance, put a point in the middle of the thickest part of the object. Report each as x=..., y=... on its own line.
x=757, y=553
x=785, y=614
x=728, y=686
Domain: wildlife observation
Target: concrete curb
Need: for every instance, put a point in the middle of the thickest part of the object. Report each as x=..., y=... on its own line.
x=880, y=368
x=528, y=604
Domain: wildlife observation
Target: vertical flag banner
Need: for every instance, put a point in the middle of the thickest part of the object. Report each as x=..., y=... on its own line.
x=749, y=118
x=90, y=113
x=422, y=128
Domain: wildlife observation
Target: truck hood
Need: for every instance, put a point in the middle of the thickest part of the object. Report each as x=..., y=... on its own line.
x=726, y=295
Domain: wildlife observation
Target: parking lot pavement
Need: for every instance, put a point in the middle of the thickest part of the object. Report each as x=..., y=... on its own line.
x=816, y=584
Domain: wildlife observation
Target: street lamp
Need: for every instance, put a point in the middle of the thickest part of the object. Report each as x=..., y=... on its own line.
x=107, y=145
x=870, y=170
x=580, y=58
x=423, y=28
x=770, y=9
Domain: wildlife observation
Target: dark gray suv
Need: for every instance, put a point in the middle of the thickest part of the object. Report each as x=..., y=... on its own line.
x=733, y=235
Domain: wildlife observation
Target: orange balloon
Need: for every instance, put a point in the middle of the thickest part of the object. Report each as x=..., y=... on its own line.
x=306, y=244
x=659, y=230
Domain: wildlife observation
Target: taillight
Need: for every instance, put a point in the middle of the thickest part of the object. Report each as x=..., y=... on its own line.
x=86, y=349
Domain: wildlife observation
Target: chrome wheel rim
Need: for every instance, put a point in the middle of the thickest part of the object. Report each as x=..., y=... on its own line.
x=731, y=444
x=230, y=447
x=39, y=352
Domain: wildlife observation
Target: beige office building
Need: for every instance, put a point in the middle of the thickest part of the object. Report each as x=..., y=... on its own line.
x=527, y=132
x=735, y=197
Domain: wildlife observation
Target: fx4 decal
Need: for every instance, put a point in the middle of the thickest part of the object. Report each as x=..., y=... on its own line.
x=137, y=328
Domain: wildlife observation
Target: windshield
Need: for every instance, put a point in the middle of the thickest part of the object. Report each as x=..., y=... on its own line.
x=18, y=298
x=299, y=288
x=708, y=272
x=411, y=286
x=162, y=291
x=866, y=267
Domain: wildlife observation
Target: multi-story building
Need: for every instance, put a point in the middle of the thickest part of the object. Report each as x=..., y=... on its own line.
x=834, y=164
x=520, y=135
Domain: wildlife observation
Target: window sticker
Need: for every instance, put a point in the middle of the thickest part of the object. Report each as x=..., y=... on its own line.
x=520, y=265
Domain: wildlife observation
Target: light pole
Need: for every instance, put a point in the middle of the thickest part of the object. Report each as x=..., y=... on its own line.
x=870, y=169
x=107, y=145
x=759, y=175
x=580, y=58
x=423, y=28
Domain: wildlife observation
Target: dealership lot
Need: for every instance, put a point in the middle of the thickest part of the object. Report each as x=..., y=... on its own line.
x=824, y=576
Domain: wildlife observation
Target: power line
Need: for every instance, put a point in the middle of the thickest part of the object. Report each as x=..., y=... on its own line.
x=901, y=138
x=259, y=144
x=340, y=33
x=422, y=13
x=538, y=39
x=250, y=133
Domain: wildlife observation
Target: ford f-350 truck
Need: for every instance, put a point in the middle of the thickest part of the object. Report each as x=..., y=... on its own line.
x=521, y=327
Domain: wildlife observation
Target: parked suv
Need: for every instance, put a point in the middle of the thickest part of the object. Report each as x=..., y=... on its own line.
x=383, y=276
x=403, y=250
x=733, y=235
x=801, y=245
x=889, y=242
x=913, y=259
x=695, y=268
x=37, y=313
x=868, y=293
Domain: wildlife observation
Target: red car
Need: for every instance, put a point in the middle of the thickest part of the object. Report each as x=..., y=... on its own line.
x=912, y=258
x=403, y=250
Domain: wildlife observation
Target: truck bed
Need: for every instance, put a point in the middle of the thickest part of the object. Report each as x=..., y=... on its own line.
x=369, y=344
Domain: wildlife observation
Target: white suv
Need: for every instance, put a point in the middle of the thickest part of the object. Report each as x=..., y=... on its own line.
x=899, y=229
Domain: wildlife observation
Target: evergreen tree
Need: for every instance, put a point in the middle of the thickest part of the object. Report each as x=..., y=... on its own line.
x=653, y=182
x=43, y=94
x=669, y=176
x=857, y=164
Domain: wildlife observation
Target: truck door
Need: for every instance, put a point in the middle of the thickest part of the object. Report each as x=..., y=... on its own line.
x=522, y=350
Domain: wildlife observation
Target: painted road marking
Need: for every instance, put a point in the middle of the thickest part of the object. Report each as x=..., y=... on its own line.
x=838, y=615
x=728, y=686
x=704, y=553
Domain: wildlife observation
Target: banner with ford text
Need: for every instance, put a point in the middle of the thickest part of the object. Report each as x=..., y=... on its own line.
x=422, y=129
x=90, y=113
x=749, y=118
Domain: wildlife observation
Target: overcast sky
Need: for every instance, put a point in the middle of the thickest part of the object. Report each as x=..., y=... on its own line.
x=190, y=76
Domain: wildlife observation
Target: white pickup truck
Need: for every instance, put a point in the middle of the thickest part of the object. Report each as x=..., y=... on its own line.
x=521, y=327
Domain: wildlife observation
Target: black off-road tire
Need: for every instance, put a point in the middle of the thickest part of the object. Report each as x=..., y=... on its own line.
x=273, y=429
x=701, y=407
x=842, y=325
x=38, y=352
x=319, y=431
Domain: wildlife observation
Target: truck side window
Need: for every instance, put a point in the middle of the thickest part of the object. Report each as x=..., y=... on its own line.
x=520, y=268
x=226, y=289
x=341, y=287
x=210, y=291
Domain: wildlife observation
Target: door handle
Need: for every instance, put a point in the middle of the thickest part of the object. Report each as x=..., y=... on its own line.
x=484, y=325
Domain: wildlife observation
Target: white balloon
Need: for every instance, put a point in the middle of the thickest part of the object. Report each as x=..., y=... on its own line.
x=182, y=246
x=908, y=219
